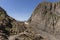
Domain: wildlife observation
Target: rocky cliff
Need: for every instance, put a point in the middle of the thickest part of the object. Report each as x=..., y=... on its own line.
x=44, y=24
x=46, y=17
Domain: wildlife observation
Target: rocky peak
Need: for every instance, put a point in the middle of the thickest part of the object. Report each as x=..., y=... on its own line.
x=47, y=7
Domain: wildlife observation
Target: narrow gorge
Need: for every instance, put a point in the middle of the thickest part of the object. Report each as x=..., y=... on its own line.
x=44, y=24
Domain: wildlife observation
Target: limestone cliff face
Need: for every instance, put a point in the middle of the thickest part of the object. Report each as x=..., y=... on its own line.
x=46, y=17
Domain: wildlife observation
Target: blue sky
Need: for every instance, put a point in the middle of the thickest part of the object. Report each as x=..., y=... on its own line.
x=20, y=9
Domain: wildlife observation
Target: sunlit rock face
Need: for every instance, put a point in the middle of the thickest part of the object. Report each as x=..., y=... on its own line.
x=46, y=17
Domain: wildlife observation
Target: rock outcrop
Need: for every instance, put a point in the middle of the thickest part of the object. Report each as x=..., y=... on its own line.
x=46, y=17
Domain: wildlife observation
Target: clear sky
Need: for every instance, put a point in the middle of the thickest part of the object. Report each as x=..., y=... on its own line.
x=20, y=9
